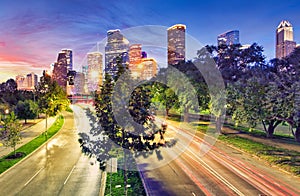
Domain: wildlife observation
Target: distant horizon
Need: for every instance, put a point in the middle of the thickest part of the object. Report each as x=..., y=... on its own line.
x=32, y=34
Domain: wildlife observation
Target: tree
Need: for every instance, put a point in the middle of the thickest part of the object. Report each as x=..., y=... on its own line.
x=165, y=96
x=122, y=115
x=52, y=98
x=12, y=131
x=26, y=110
x=233, y=61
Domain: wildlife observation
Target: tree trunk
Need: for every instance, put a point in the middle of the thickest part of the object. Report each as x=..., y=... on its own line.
x=297, y=134
x=186, y=114
x=218, y=125
x=271, y=127
x=25, y=121
x=270, y=131
x=167, y=112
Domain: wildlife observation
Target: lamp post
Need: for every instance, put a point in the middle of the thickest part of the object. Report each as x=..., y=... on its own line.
x=46, y=117
x=6, y=112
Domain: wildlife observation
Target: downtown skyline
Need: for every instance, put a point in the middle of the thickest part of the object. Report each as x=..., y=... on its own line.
x=32, y=34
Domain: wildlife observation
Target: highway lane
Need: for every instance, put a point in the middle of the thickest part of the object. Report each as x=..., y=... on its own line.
x=57, y=168
x=222, y=171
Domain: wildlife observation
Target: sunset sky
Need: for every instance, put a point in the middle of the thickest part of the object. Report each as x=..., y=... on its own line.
x=32, y=32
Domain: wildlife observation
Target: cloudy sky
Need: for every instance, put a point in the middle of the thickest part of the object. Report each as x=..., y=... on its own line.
x=32, y=32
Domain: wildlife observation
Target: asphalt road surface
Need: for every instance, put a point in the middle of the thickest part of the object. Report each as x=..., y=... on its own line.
x=57, y=168
x=183, y=170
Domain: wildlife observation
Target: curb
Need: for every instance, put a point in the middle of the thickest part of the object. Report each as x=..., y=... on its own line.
x=103, y=183
x=29, y=155
x=142, y=179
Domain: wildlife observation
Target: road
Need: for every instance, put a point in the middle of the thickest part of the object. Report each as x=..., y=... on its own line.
x=221, y=171
x=57, y=168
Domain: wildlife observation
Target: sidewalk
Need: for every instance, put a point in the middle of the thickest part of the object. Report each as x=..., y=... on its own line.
x=29, y=134
x=288, y=144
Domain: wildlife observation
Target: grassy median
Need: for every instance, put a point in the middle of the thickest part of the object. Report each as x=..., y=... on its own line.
x=6, y=162
x=115, y=181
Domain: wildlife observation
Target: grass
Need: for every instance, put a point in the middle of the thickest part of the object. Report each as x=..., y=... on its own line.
x=133, y=179
x=26, y=149
x=136, y=186
x=283, y=158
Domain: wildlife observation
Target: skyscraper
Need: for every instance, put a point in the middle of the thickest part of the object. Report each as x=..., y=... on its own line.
x=229, y=38
x=284, y=39
x=148, y=68
x=62, y=66
x=79, y=83
x=95, y=70
x=176, y=44
x=32, y=80
x=135, y=54
x=117, y=46
x=21, y=82
x=27, y=83
x=60, y=70
x=69, y=58
x=135, y=58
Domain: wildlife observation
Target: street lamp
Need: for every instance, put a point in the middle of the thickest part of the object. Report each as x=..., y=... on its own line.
x=6, y=112
x=46, y=111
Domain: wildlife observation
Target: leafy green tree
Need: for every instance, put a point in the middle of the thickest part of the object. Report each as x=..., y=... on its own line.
x=12, y=131
x=122, y=115
x=26, y=110
x=165, y=96
x=52, y=98
x=233, y=61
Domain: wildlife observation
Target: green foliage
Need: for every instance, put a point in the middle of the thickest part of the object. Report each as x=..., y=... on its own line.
x=11, y=131
x=52, y=99
x=31, y=146
x=164, y=96
x=26, y=110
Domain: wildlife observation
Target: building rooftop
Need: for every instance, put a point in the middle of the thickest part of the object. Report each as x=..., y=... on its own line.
x=177, y=26
x=284, y=23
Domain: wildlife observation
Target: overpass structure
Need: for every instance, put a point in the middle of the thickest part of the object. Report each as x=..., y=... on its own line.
x=87, y=99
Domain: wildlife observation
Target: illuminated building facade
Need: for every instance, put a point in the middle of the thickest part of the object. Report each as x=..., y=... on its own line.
x=95, y=71
x=32, y=80
x=21, y=82
x=285, y=44
x=135, y=57
x=117, y=46
x=27, y=83
x=145, y=70
x=229, y=38
x=79, y=83
x=176, y=44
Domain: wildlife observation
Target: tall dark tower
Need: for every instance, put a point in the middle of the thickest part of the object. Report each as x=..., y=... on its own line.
x=117, y=46
x=284, y=39
x=62, y=66
x=176, y=44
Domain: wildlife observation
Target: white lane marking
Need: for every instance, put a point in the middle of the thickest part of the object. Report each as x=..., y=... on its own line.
x=69, y=175
x=33, y=176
